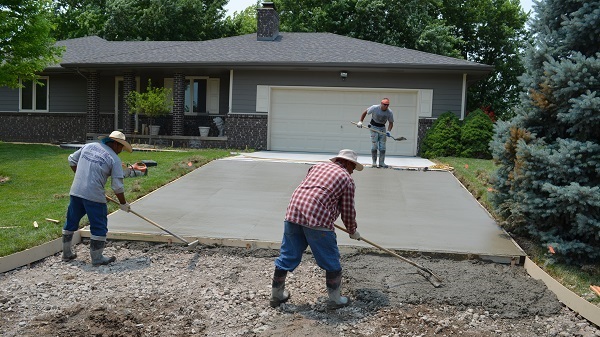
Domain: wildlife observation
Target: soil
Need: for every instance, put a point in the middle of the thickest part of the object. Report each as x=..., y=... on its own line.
x=154, y=289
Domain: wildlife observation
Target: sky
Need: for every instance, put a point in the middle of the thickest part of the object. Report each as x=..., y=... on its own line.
x=239, y=5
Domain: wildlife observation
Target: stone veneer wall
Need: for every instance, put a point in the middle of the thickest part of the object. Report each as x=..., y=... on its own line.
x=424, y=126
x=42, y=127
x=246, y=131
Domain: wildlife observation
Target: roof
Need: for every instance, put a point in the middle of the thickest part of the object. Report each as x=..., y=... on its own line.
x=288, y=50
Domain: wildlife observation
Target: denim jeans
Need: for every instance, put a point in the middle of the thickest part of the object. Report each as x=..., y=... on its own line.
x=96, y=212
x=377, y=139
x=296, y=239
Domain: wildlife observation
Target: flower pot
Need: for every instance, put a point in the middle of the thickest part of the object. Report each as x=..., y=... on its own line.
x=154, y=130
x=204, y=131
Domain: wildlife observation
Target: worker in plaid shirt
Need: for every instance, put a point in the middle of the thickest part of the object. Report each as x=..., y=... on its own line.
x=326, y=192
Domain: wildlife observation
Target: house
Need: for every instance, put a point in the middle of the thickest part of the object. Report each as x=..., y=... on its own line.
x=275, y=91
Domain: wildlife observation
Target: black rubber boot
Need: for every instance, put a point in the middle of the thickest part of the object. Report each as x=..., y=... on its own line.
x=374, y=157
x=96, y=249
x=382, y=159
x=278, y=293
x=334, y=288
x=67, y=254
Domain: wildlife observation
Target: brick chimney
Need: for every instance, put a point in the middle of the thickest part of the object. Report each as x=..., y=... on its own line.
x=267, y=22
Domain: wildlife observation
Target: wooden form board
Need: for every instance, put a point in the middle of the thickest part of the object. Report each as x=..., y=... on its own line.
x=566, y=296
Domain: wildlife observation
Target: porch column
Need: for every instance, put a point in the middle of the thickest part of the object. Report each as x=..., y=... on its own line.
x=128, y=86
x=93, y=104
x=178, y=103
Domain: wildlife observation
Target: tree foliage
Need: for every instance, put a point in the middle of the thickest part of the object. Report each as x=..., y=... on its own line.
x=129, y=20
x=243, y=22
x=493, y=32
x=443, y=138
x=26, y=47
x=548, y=184
x=78, y=18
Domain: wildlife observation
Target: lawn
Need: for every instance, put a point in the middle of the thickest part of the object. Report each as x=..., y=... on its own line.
x=35, y=180
x=475, y=174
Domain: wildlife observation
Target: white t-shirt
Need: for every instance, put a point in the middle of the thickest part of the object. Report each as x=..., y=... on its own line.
x=95, y=163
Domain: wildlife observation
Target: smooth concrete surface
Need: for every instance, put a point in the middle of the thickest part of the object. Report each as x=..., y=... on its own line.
x=246, y=198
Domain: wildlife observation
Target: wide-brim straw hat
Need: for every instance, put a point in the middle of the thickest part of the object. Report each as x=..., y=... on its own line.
x=118, y=136
x=351, y=156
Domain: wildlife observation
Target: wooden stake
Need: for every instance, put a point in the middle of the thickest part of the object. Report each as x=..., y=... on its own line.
x=595, y=289
x=52, y=220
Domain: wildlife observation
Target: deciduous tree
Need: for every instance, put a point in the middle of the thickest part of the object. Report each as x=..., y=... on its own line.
x=26, y=47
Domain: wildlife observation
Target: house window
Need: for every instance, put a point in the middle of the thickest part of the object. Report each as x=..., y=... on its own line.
x=34, y=96
x=201, y=94
x=195, y=95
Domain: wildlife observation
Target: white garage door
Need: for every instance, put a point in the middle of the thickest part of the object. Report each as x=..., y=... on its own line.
x=318, y=119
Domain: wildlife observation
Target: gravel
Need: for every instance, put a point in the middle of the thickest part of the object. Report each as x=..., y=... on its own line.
x=155, y=289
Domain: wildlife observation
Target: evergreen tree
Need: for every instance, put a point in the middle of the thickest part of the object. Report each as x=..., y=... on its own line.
x=549, y=154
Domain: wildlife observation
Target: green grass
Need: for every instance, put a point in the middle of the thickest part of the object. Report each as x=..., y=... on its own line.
x=475, y=174
x=35, y=180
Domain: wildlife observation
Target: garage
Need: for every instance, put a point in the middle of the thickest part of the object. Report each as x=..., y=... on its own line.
x=317, y=119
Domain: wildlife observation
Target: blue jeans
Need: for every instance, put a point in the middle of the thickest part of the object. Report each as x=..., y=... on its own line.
x=377, y=139
x=96, y=212
x=296, y=238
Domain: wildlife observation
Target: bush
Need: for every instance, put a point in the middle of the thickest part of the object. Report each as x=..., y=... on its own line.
x=476, y=134
x=443, y=139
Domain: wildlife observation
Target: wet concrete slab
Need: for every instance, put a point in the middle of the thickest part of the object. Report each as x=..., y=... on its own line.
x=245, y=198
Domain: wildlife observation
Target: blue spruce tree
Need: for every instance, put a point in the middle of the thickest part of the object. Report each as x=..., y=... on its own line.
x=548, y=184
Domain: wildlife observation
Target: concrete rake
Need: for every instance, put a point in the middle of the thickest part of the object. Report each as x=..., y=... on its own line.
x=435, y=280
x=188, y=245
x=383, y=133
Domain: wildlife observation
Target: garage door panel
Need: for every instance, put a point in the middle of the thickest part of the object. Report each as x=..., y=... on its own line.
x=318, y=120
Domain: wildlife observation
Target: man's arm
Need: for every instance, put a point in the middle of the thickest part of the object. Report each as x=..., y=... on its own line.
x=74, y=168
x=364, y=114
x=390, y=126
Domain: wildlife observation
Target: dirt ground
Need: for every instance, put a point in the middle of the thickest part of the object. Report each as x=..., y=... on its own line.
x=159, y=290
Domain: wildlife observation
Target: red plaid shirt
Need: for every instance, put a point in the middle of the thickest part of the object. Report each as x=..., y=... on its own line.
x=325, y=193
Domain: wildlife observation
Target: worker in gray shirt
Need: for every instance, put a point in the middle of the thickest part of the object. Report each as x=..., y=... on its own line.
x=93, y=164
x=380, y=114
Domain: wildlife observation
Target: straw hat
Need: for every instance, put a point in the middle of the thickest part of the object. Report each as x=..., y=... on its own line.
x=118, y=136
x=349, y=155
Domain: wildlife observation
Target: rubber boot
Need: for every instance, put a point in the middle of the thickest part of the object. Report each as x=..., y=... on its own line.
x=382, y=159
x=67, y=254
x=334, y=288
x=96, y=249
x=278, y=293
x=374, y=157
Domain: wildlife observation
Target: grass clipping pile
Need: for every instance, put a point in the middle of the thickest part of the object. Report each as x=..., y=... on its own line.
x=159, y=290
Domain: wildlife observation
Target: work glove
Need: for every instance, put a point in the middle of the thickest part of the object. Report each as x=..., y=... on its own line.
x=125, y=207
x=359, y=124
x=355, y=236
x=388, y=134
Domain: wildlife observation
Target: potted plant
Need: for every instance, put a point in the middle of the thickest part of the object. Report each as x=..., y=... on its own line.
x=155, y=102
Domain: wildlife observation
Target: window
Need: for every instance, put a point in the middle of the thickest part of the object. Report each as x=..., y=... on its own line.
x=195, y=95
x=201, y=94
x=34, y=96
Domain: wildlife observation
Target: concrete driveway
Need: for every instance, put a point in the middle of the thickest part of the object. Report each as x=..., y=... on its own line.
x=242, y=201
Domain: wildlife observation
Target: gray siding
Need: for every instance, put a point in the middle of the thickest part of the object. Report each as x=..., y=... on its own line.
x=446, y=88
x=67, y=93
x=9, y=99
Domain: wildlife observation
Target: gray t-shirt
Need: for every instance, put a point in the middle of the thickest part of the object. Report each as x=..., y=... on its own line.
x=379, y=115
x=95, y=163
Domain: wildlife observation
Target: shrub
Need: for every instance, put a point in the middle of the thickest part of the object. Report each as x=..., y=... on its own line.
x=476, y=134
x=443, y=139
